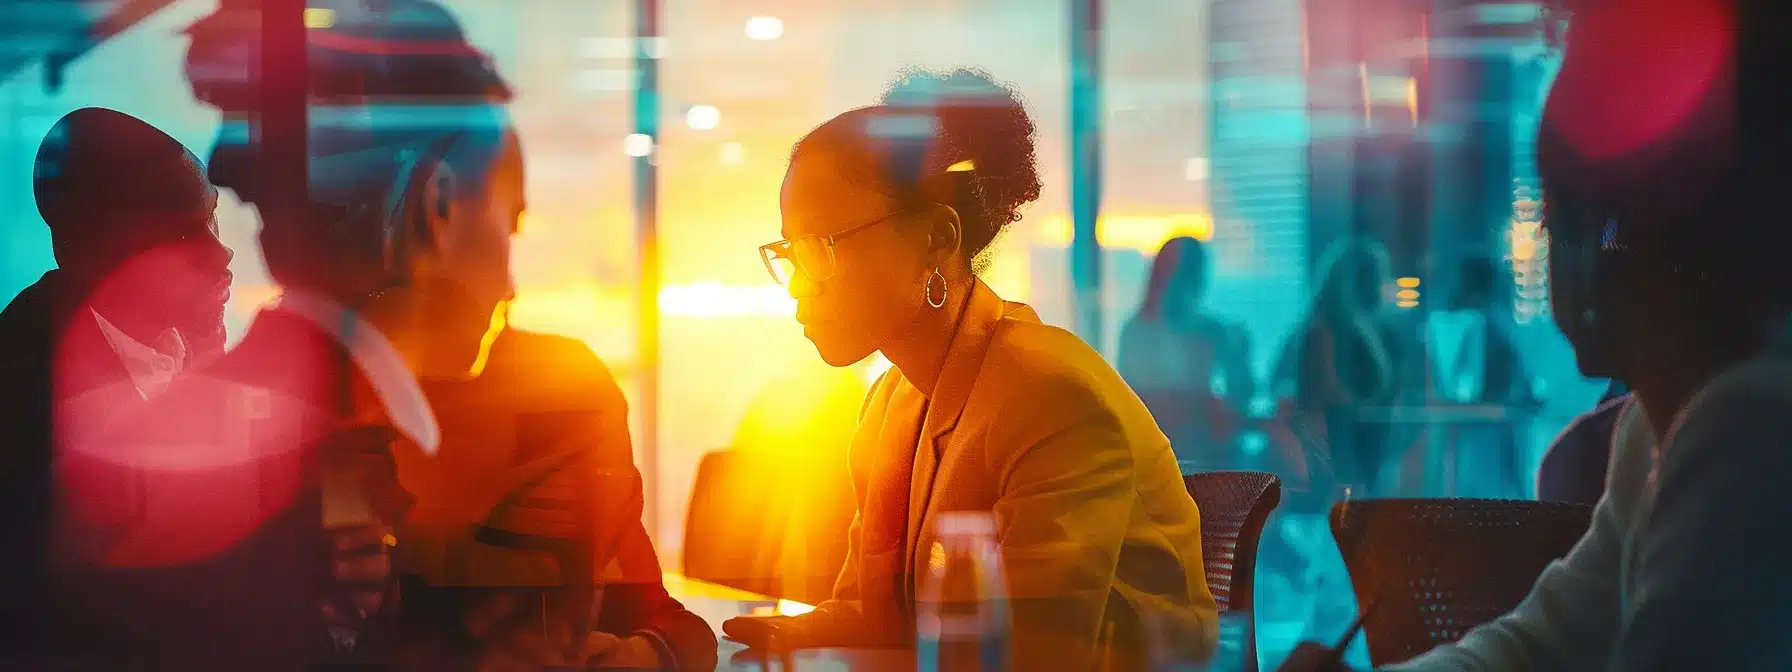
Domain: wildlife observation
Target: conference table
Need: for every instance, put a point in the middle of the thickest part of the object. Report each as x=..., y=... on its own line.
x=1447, y=426
x=716, y=603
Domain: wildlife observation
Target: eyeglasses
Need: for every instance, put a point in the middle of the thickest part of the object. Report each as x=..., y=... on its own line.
x=813, y=256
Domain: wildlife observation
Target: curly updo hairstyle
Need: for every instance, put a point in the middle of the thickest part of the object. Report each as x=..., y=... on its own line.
x=955, y=138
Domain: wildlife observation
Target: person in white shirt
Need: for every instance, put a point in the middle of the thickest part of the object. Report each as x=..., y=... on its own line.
x=138, y=292
x=1658, y=279
x=1475, y=357
x=1476, y=360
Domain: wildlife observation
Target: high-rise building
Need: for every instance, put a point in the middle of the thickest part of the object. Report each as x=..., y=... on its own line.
x=1407, y=121
x=1489, y=70
x=1367, y=71
x=1258, y=167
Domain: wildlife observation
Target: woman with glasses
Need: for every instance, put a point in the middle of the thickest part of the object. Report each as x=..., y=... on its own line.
x=889, y=211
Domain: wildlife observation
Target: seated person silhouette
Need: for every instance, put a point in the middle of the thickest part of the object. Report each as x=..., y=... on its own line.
x=542, y=427
x=138, y=293
x=541, y=435
x=198, y=533
x=1477, y=360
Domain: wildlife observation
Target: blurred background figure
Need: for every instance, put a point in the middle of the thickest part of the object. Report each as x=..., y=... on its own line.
x=138, y=294
x=1472, y=351
x=1191, y=368
x=807, y=416
x=1476, y=361
x=1349, y=353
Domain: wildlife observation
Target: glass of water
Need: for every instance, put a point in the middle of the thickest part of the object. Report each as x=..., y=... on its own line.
x=961, y=612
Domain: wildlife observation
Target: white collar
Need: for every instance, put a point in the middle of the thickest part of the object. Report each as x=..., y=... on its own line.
x=150, y=369
x=385, y=369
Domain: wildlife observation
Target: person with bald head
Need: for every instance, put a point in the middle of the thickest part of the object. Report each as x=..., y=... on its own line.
x=138, y=294
x=138, y=260
x=243, y=517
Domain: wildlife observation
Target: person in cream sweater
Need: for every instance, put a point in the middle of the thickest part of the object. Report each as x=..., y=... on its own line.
x=1662, y=278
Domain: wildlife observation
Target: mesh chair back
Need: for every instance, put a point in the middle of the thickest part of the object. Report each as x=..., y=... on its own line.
x=1234, y=507
x=1433, y=569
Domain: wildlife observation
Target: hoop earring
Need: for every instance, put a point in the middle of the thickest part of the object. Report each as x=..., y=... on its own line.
x=927, y=289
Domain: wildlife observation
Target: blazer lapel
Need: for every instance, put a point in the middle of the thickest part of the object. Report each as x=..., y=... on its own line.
x=898, y=453
x=883, y=457
x=964, y=359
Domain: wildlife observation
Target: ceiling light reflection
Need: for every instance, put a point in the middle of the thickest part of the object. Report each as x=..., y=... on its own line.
x=638, y=145
x=765, y=28
x=703, y=117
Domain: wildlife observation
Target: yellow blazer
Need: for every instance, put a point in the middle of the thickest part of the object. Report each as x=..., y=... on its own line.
x=1100, y=539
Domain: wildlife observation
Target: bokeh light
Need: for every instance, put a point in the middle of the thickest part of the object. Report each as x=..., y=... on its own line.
x=637, y=145
x=765, y=28
x=703, y=117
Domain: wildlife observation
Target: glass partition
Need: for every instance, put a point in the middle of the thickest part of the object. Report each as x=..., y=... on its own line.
x=1210, y=122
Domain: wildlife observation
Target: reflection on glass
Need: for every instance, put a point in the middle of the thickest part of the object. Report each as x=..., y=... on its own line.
x=962, y=611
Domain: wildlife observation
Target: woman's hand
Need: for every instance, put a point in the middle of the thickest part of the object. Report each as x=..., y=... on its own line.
x=520, y=650
x=511, y=633
x=525, y=649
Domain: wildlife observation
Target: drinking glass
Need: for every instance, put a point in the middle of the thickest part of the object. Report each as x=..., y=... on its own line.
x=961, y=613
